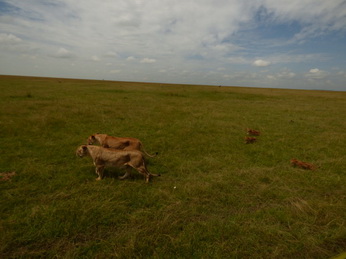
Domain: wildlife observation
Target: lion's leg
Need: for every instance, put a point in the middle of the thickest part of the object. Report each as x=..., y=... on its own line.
x=127, y=174
x=140, y=170
x=147, y=171
x=154, y=174
x=99, y=172
x=144, y=172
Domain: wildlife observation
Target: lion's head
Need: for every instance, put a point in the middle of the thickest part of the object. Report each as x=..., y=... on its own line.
x=82, y=151
x=91, y=139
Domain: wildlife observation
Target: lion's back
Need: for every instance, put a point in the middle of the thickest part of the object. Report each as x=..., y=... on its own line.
x=120, y=157
x=123, y=143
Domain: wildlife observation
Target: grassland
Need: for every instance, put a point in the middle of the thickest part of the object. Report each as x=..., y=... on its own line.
x=217, y=197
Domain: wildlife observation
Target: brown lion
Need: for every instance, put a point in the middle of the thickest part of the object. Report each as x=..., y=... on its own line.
x=106, y=157
x=117, y=143
x=301, y=164
x=253, y=132
x=250, y=140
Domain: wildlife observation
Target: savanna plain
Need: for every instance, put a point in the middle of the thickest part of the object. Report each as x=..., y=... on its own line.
x=217, y=197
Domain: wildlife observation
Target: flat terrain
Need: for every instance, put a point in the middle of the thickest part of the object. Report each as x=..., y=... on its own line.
x=217, y=197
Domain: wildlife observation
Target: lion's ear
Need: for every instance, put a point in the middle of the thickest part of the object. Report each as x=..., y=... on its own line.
x=93, y=137
x=84, y=147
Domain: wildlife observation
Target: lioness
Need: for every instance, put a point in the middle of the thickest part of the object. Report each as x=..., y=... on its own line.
x=106, y=157
x=253, y=132
x=301, y=164
x=117, y=143
x=250, y=140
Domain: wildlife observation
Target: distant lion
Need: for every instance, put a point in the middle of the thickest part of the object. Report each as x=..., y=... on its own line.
x=250, y=140
x=301, y=164
x=5, y=176
x=106, y=157
x=253, y=132
x=117, y=143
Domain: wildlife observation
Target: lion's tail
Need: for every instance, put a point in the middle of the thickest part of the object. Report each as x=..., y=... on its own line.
x=147, y=171
x=146, y=153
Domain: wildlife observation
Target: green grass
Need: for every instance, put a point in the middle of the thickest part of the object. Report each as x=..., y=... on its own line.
x=217, y=197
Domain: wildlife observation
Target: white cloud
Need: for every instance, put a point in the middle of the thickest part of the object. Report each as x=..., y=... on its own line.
x=95, y=58
x=286, y=75
x=341, y=73
x=131, y=58
x=297, y=58
x=283, y=75
x=115, y=71
x=238, y=60
x=111, y=54
x=261, y=63
x=148, y=60
x=316, y=73
x=10, y=43
x=317, y=17
x=6, y=38
x=63, y=53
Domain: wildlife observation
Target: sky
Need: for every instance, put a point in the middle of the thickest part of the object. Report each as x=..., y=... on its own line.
x=298, y=44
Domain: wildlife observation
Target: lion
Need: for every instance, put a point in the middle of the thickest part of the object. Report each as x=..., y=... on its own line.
x=253, y=132
x=118, y=143
x=304, y=165
x=107, y=157
x=250, y=140
x=6, y=176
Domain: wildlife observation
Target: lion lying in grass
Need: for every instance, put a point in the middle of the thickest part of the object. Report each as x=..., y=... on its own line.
x=6, y=176
x=117, y=143
x=253, y=132
x=250, y=140
x=301, y=164
x=106, y=157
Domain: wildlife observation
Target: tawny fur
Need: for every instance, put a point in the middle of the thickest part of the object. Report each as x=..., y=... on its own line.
x=6, y=176
x=301, y=164
x=107, y=157
x=250, y=140
x=117, y=143
x=253, y=132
